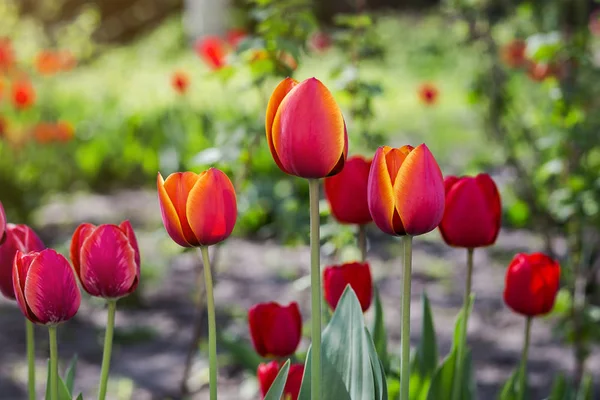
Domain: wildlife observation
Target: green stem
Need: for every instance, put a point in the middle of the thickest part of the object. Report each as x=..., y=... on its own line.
x=108, y=338
x=462, y=344
x=315, y=286
x=53, y=363
x=405, y=338
x=362, y=242
x=212, y=324
x=30, y=338
x=523, y=367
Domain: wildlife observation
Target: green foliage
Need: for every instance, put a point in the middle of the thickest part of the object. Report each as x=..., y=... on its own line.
x=425, y=357
x=379, y=333
x=65, y=385
x=276, y=390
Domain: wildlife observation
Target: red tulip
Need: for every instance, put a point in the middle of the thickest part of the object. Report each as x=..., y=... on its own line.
x=406, y=190
x=45, y=287
x=212, y=49
x=532, y=281
x=275, y=329
x=472, y=213
x=180, y=82
x=513, y=53
x=357, y=275
x=106, y=259
x=17, y=238
x=428, y=93
x=23, y=94
x=267, y=373
x=305, y=128
x=347, y=192
x=197, y=209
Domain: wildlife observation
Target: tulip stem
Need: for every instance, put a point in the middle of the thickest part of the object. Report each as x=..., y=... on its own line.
x=523, y=367
x=462, y=343
x=212, y=324
x=30, y=338
x=315, y=286
x=362, y=242
x=108, y=339
x=405, y=338
x=53, y=363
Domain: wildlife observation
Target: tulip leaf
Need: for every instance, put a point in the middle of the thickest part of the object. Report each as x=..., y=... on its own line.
x=276, y=390
x=70, y=374
x=510, y=390
x=332, y=384
x=560, y=389
x=63, y=391
x=80, y=397
x=425, y=358
x=378, y=370
x=379, y=333
x=586, y=388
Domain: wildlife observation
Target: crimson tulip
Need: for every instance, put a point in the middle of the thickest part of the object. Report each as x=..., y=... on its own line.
x=17, y=238
x=532, y=282
x=197, y=209
x=347, y=192
x=305, y=129
x=267, y=373
x=45, y=287
x=357, y=275
x=473, y=211
x=106, y=259
x=275, y=329
x=405, y=190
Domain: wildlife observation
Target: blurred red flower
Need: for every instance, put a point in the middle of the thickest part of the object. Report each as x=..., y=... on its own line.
x=235, y=36
x=49, y=62
x=23, y=94
x=7, y=55
x=180, y=82
x=64, y=131
x=428, y=93
x=513, y=53
x=212, y=49
x=3, y=126
x=320, y=41
x=594, y=23
x=267, y=373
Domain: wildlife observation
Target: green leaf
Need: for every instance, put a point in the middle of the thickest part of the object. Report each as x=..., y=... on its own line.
x=561, y=390
x=63, y=391
x=425, y=359
x=510, y=390
x=332, y=384
x=586, y=388
x=379, y=333
x=393, y=388
x=276, y=390
x=80, y=397
x=70, y=374
x=378, y=370
x=241, y=352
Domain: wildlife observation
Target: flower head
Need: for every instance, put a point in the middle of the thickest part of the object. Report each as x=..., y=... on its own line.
x=357, y=275
x=212, y=49
x=275, y=329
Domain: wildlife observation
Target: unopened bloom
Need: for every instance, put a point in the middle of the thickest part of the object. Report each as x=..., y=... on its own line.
x=197, y=209
x=473, y=211
x=357, y=275
x=406, y=190
x=347, y=192
x=532, y=282
x=267, y=373
x=45, y=287
x=305, y=128
x=106, y=259
x=275, y=329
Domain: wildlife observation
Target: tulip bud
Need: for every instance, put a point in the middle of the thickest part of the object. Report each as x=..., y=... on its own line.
x=106, y=259
x=406, y=190
x=275, y=329
x=17, y=238
x=347, y=192
x=305, y=128
x=532, y=282
x=357, y=275
x=267, y=373
x=473, y=212
x=45, y=287
x=197, y=209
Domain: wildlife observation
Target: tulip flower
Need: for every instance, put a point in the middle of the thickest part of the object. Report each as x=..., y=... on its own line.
x=275, y=329
x=267, y=373
x=357, y=275
x=513, y=53
x=302, y=117
x=17, y=238
x=472, y=213
x=347, y=192
x=428, y=94
x=23, y=94
x=180, y=82
x=212, y=50
x=106, y=259
x=197, y=209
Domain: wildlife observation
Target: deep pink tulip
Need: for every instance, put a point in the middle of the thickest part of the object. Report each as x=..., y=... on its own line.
x=17, y=238
x=45, y=287
x=106, y=259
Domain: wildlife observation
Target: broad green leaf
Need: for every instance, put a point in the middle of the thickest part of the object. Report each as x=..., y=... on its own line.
x=276, y=390
x=70, y=374
x=378, y=370
x=63, y=392
x=586, y=388
x=243, y=354
x=332, y=385
x=427, y=351
x=379, y=333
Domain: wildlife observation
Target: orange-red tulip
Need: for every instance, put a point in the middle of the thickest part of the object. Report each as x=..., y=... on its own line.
x=347, y=192
x=45, y=287
x=406, y=190
x=197, y=209
x=305, y=128
x=473, y=211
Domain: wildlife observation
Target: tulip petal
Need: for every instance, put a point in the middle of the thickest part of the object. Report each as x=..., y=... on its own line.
x=419, y=192
x=178, y=186
x=108, y=263
x=492, y=197
x=51, y=290
x=8, y=249
x=19, y=274
x=81, y=233
x=128, y=230
x=277, y=96
x=169, y=215
x=308, y=131
x=26, y=238
x=212, y=208
x=2, y=223
x=381, y=195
